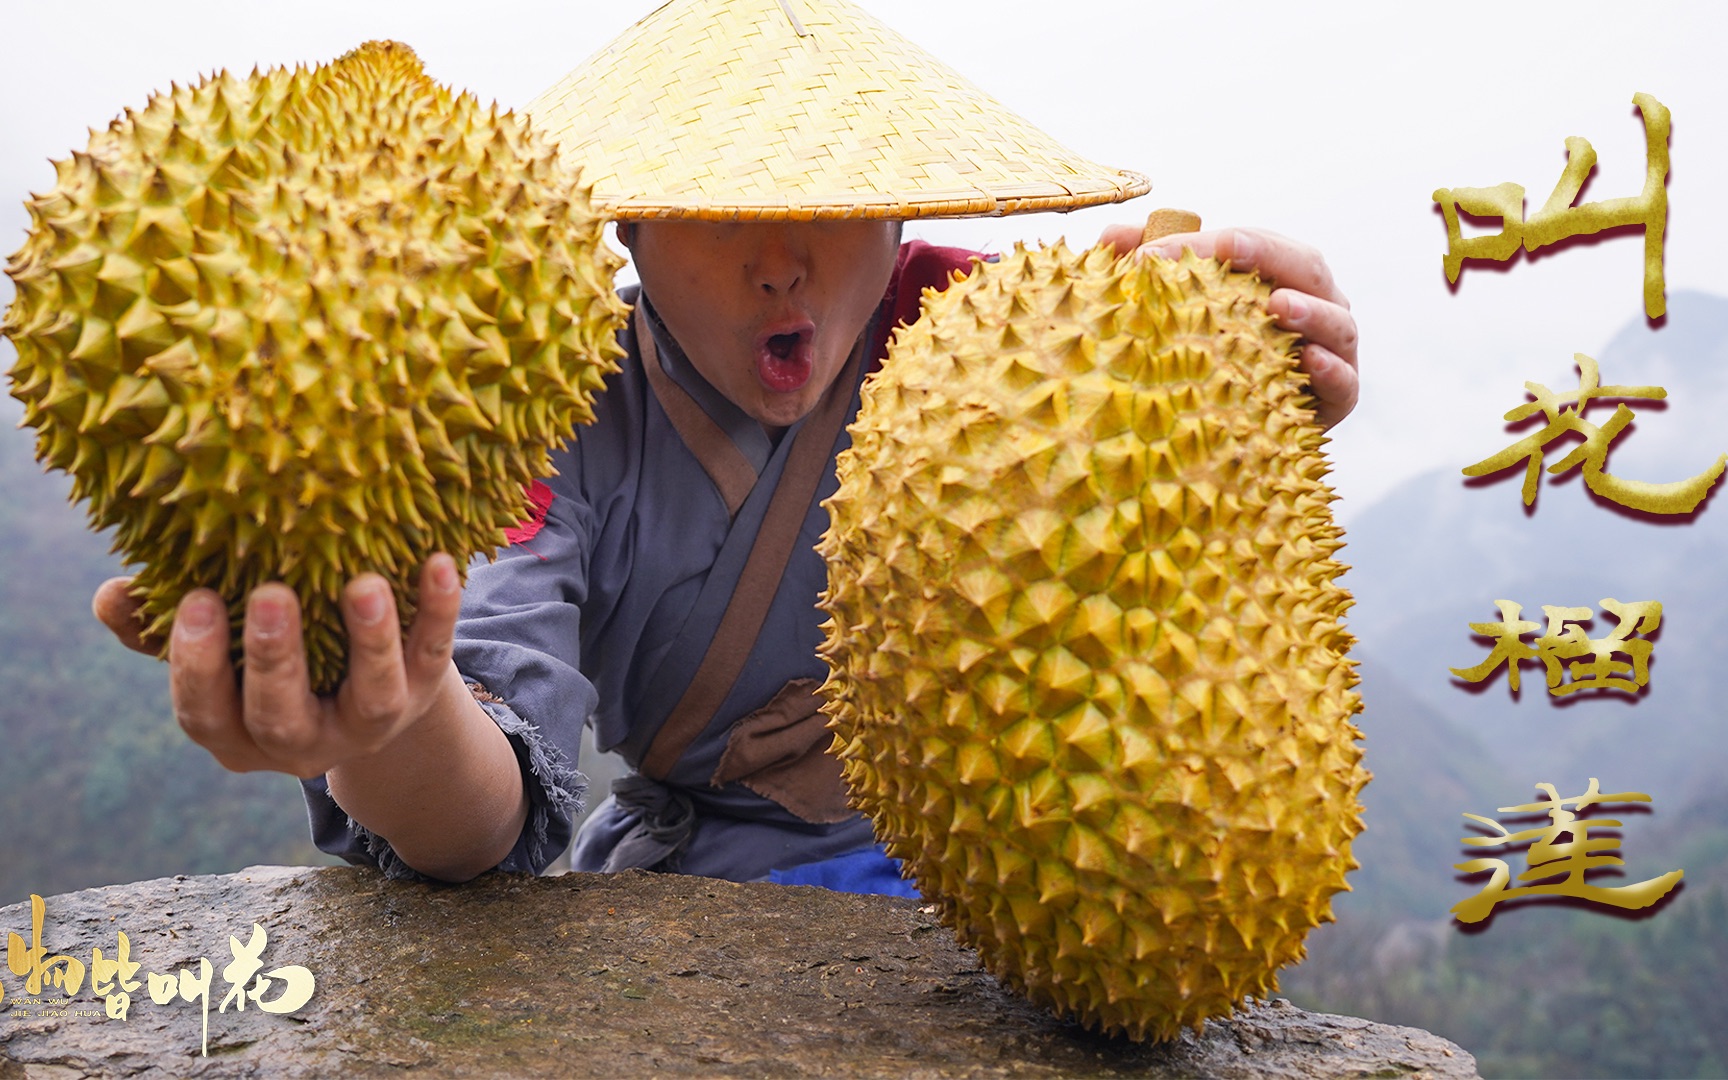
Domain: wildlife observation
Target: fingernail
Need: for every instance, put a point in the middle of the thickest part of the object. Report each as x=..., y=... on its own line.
x=1165, y=251
x=1295, y=307
x=197, y=617
x=267, y=616
x=369, y=604
x=444, y=575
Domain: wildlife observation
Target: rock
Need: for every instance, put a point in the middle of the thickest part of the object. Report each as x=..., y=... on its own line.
x=608, y=975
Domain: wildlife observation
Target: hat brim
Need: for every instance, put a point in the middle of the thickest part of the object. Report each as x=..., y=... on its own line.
x=800, y=110
x=1027, y=199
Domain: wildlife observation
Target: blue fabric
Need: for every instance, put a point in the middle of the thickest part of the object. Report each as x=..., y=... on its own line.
x=867, y=870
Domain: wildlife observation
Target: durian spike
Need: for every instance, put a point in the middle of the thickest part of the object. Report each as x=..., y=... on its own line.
x=1168, y=222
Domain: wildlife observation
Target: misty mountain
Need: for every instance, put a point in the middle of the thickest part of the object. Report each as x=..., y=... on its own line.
x=1434, y=556
x=97, y=782
x=1427, y=773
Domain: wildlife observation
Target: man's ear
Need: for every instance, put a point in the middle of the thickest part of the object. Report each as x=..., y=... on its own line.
x=626, y=232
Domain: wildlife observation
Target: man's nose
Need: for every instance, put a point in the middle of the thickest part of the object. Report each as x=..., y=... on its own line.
x=780, y=262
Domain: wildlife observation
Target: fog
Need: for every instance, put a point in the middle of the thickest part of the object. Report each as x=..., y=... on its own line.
x=1332, y=124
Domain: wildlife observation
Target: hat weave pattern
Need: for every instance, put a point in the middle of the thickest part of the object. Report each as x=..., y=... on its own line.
x=799, y=110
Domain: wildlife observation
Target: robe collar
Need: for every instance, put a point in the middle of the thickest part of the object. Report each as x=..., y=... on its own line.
x=746, y=433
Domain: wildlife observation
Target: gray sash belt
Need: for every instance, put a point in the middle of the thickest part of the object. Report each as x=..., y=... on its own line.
x=665, y=817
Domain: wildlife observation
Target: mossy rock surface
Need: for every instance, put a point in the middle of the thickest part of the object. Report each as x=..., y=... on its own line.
x=631, y=974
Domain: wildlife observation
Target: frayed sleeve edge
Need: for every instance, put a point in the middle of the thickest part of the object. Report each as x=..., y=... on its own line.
x=555, y=788
x=555, y=796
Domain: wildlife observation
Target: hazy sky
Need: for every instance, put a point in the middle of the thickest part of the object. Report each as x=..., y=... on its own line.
x=1332, y=123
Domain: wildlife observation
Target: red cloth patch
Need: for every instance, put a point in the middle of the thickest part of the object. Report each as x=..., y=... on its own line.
x=540, y=501
x=920, y=265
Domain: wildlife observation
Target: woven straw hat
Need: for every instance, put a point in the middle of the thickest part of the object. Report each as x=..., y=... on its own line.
x=776, y=110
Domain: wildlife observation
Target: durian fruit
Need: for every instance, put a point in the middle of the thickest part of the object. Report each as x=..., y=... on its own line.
x=1088, y=676
x=306, y=324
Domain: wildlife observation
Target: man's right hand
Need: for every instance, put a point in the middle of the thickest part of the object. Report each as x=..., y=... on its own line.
x=270, y=719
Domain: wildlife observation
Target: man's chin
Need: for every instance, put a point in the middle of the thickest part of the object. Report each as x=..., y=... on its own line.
x=783, y=410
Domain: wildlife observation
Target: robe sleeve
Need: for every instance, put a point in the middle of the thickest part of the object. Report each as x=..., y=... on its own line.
x=518, y=641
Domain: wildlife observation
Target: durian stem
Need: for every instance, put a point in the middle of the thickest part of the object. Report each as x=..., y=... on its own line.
x=1167, y=222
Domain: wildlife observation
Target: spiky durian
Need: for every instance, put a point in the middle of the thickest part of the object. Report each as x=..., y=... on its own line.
x=1088, y=676
x=306, y=324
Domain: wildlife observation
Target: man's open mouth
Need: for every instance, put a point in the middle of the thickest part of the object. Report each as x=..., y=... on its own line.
x=785, y=361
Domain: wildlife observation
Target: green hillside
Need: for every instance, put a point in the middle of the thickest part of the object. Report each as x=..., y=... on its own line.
x=97, y=783
x=1546, y=990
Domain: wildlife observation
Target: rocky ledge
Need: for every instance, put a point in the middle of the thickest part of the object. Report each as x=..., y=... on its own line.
x=622, y=975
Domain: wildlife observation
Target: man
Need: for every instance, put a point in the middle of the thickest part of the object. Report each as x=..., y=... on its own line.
x=759, y=181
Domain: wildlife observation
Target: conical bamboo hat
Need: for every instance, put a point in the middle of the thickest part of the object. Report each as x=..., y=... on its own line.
x=774, y=110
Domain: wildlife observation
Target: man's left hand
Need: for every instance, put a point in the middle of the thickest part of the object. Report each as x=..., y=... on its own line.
x=1305, y=300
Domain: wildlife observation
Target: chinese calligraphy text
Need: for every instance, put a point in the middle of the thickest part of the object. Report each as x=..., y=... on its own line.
x=1562, y=849
x=1559, y=219
x=1565, y=649
x=114, y=979
x=1565, y=413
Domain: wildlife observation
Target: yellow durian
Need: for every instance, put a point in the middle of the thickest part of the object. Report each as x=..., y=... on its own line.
x=1088, y=675
x=305, y=324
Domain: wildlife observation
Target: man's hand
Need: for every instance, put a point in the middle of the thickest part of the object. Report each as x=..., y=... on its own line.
x=270, y=719
x=404, y=747
x=1305, y=301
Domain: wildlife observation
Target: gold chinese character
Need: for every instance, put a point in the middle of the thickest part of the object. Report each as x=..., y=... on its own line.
x=1565, y=413
x=1550, y=856
x=1565, y=649
x=113, y=978
x=1559, y=219
x=297, y=981
x=190, y=987
x=66, y=972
